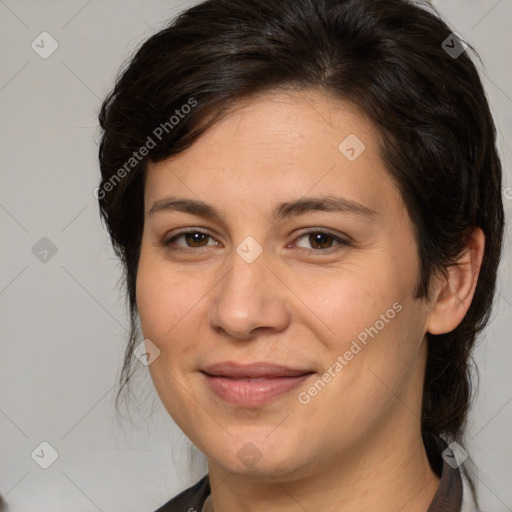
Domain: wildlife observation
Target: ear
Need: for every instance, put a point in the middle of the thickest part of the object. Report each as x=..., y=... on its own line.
x=454, y=292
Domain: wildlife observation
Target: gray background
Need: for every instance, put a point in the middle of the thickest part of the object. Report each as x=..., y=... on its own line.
x=63, y=320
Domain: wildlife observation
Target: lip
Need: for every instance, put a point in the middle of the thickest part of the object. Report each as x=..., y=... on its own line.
x=252, y=384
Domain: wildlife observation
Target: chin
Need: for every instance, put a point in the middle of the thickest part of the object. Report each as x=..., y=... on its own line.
x=256, y=454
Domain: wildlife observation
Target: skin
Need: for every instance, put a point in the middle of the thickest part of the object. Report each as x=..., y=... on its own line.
x=356, y=445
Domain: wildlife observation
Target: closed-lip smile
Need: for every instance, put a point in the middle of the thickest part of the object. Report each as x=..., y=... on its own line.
x=254, y=383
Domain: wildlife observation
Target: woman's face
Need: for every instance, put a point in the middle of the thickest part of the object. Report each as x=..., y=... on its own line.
x=308, y=264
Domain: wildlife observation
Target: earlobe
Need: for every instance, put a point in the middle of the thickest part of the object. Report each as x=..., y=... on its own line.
x=455, y=292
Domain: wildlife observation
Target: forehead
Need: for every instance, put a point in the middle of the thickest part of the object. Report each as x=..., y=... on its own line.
x=290, y=125
x=279, y=146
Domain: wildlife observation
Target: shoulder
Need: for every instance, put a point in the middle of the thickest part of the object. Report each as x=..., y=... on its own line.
x=190, y=500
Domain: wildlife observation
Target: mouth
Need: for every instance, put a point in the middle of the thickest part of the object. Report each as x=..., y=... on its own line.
x=252, y=384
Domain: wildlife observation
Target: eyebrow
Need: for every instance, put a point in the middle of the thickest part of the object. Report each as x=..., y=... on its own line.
x=282, y=210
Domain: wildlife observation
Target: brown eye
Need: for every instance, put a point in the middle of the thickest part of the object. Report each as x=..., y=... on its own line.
x=196, y=239
x=320, y=241
x=192, y=239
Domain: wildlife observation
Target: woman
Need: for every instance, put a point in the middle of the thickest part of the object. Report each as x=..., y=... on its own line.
x=305, y=196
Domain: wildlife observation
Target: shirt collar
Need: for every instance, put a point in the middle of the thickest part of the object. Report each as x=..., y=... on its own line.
x=448, y=497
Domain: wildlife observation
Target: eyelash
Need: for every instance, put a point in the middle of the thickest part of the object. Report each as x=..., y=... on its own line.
x=340, y=242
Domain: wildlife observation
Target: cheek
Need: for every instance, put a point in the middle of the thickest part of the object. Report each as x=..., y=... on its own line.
x=350, y=300
x=373, y=321
x=370, y=356
x=169, y=308
x=163, y=299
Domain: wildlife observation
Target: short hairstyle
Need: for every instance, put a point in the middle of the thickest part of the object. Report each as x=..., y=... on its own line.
x=388, y=58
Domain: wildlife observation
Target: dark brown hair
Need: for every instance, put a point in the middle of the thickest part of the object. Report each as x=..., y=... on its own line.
x=387, y=57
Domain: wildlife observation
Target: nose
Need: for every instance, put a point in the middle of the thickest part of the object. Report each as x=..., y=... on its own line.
x=249, y=298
